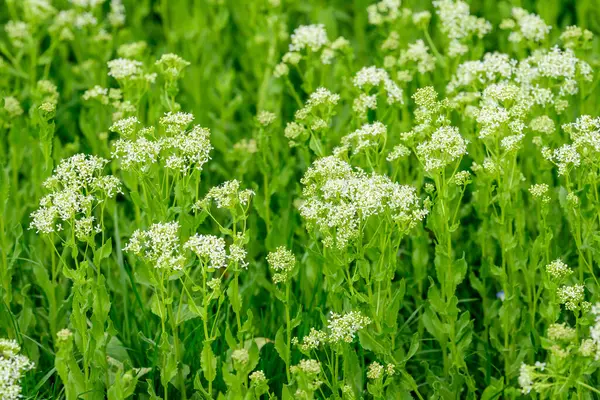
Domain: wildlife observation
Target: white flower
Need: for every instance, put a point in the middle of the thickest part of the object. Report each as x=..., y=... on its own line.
x=363, y=103
x=571, y=297
x=457, y=22
x=175, y=122
x=227, y=195
x=209, y=248
x=18, y=32
x=266, y=118
x=313, y=340
x=338, y=199
x=542, y=124
x=512, y=143
x=282, y=262
x=445, y=146
x=258, y=378
x=126, y=126
x=237, y=254
x=418, y=53
x=399, y=151
x=12, y=368
x=12, y=106
x=375, y=371
x=558, y=269
x=531, y=26
x=565, y=157
x=367, y=136
x=159, y=246
x=383, y=11
x=123, y=68
x=186, y=150
x=240, y=356
x=116, y=16
x=561, y=332
x=76, y=185
x=526, y=378
x=312, y=37
x=140, y=154
x=369, y=77
x=343, y=328
x=585, y=132
x=539, y=191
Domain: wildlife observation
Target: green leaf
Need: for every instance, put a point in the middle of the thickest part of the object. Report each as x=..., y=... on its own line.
x=281, y=346
x=208, y=362
x=353, y=373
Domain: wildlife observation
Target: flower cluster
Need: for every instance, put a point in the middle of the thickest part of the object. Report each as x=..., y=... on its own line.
x=445, y=147
x=306, y=42
x=171, y=65
x=525, y=27
x=458, y=24
x=585, y=133
x=227, y=195
x=595, y=331
x=183, y=152
x=417, y=54
x=341, y=328
x=368, y=136
x=375, y=371
x=158, y=246
x=372, y=77
x=314, y=116
x=282, y=262
x=573, y=297
x=383, y=11
x=210, y=250
x=311, y=37
x=338, y=199
x=573, y=37
x=12, y=368
x=76, y=187
x=565, y=157
x=125, y=70
x=307, y=374
x=558, y=270
x=530, y=377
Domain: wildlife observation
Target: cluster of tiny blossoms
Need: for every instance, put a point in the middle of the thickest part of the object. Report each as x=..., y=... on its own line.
x=125, y=71
x=339, y=198
x=573, y=297
x=368, y=136
x=558, y=269
x=445, y=147
x=458, y=24
x=158, y=246
x=282, y=262
x=76, y=187
x=314, y=116
x=530, y=377
x=183, y=152
x=210, y=250
x=376, y=370
x=308, y=41
x=372, y=77
x=341, y=328
x=383, y=11
x=12, y=368
x=525, y=26
x=227, y=195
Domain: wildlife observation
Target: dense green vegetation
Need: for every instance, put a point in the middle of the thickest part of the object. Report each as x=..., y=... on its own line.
x=217, y=199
